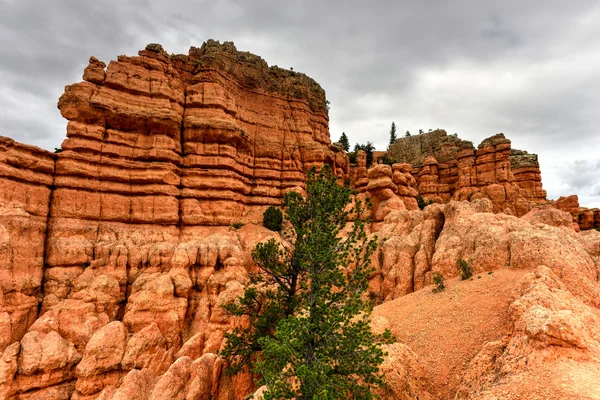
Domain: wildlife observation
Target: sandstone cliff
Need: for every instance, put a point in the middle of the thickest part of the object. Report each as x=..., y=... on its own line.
x=129, y=223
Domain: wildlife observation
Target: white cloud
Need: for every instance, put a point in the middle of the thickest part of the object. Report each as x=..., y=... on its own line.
x=528, y=69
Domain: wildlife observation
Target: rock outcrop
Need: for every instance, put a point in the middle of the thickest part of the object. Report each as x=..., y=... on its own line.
x=198, y=139
x=447, y=167
x=26, y=179
x=552, y=351
x=583, y=218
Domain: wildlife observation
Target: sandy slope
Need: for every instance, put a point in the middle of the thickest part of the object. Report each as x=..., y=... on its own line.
x=447, y=329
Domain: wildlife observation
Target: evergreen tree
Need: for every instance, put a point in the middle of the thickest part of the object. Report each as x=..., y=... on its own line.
x=407, y=134
x=369, y=149
x=344, y=142
x=307, y=332
x=393, y=133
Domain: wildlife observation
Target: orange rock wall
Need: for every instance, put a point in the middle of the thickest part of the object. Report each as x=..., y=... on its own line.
x=129, y=223
x=26, y=177
x=583, y=218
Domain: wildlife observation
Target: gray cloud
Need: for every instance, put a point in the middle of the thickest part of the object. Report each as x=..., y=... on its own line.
x=528, y=69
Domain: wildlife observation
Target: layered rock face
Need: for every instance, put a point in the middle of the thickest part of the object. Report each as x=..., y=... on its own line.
x=198, y=139
x=583, y=218
x=26, y=178
x=117, y=250
x=447, y=167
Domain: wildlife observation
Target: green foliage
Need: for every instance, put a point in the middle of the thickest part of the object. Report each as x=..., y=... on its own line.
x=272, y=218
x=368, y=149
x=422, y=203
x=236, y=225
x=598, y=229
x=58, y=150
x=465, y=268
x=352, y=157
x=385, y=159
x=307, y=333
x=438, y=280
x=344, y=142
x=407, y=134
x=393, y=133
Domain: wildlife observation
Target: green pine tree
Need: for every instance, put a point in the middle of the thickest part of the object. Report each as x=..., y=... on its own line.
x=344, y=142
x=369, y=149
x=407, y=134
x=393, y=133
x=307, y=333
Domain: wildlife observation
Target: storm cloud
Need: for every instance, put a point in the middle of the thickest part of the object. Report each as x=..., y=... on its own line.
x=528, y=69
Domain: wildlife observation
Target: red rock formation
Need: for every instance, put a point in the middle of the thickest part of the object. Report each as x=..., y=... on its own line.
x=583, y=218
x=405, y=184
x=117, y=255
x=449, y=168
x=123, y=236
x=526, y=171
x=26, y=177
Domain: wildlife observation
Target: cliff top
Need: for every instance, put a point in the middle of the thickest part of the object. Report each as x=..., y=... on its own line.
x=414, y=149
x=248, y=69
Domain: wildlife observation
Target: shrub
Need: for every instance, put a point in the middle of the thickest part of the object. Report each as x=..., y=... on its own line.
x=58, y=150
x=236, y=225
x=385, y=159
x=438, y=280
x=465, y=268
x=272, y=218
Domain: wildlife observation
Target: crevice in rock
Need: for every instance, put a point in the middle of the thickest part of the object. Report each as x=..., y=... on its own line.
x=182, y=166
x=46, y=244
x=438, y=230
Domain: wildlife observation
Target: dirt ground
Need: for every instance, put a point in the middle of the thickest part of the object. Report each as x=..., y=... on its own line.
x=447, y=329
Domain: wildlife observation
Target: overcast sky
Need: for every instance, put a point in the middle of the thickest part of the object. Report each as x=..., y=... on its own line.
x=529, y=69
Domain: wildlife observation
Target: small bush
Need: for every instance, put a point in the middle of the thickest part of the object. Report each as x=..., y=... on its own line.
x=385, y=159
x=272, y=218
x=236, y=225
x=352, y=157
x=438, y=280
x=465, y=268
x=422, y=203
x=58, y=150
x=598, y=229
